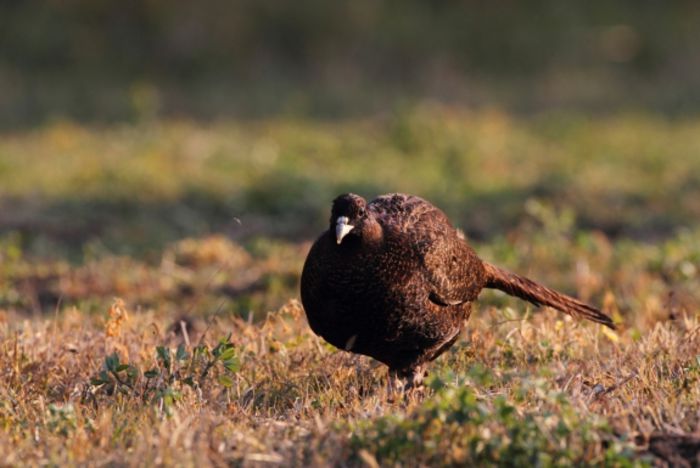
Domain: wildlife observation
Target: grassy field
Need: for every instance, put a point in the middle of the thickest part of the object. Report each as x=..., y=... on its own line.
x=149, y=306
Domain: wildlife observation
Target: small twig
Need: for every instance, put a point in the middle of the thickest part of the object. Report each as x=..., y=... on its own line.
x=606, y=391
x=120, y=381
x=209, y=365
x=185, y=335
x=507, y=321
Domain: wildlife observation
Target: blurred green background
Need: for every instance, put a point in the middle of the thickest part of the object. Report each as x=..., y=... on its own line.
x=127, y=125
x=100, y=60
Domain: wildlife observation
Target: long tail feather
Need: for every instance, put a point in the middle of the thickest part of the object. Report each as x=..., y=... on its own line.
x=524, y=288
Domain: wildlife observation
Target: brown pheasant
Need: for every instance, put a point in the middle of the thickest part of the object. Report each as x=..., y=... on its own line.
x=394, y=280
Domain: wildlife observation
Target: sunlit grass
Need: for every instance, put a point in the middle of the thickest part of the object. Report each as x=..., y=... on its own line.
x=134, y=188
x=201, y=230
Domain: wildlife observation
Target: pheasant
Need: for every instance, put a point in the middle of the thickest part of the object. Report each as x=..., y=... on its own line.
x=394, y=280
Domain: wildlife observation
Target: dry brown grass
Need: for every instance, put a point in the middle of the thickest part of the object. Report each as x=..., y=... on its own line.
x=540, y=383
x=605, y=209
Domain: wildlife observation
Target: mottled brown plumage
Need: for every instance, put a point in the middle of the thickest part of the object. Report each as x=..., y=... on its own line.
x=394, y=280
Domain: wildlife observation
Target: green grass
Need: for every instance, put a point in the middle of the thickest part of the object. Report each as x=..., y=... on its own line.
x=129, y=189
x=209, y=224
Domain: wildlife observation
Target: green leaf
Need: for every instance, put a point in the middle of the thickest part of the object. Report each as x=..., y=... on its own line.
x=181, y=353
x=225, y=380
x=227, y=354
x=232, y=365
x=163, y=356
x=112, y=362
x=151, y=373
x=223, y=346
x=122, y=367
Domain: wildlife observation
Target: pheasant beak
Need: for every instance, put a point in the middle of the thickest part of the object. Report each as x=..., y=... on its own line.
x=342, y=228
